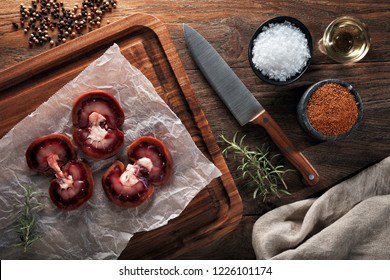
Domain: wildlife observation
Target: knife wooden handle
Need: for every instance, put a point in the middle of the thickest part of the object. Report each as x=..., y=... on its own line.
x=297, y=159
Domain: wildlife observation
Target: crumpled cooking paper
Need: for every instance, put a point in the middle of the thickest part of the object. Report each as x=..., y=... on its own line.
x=99, y=229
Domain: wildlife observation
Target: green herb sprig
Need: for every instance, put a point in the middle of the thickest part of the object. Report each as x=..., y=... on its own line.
x=258, y=166
x=27, y=224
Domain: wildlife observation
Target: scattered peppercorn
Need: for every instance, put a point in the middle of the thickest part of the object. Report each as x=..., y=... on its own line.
x=15, y=25
x=332, y=109
x=51, y=15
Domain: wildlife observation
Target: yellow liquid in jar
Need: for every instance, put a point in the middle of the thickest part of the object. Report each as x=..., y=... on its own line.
x=346, y=40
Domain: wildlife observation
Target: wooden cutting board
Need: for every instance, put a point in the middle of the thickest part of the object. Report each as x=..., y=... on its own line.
x=145, y=42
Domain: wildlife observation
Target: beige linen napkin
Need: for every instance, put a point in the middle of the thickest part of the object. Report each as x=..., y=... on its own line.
x=349, y=221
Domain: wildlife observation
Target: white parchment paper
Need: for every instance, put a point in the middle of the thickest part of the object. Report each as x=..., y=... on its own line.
x=99, y=229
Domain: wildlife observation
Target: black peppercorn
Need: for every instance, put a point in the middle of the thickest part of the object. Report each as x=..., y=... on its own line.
x=47, y=15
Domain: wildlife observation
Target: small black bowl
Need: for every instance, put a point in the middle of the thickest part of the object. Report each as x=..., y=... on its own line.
x=304, y=120
x=281, y=19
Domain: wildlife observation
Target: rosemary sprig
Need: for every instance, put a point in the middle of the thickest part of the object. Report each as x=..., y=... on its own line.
x=257, y=165
x=27, y=224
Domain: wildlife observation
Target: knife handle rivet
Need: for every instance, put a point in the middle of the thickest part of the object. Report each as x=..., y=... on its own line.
x=265, y=120
x=311, y=177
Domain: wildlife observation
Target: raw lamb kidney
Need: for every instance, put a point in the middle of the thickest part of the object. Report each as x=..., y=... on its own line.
x=150, y=165
x=97, y=119
x=154, y=156
x=55, y=155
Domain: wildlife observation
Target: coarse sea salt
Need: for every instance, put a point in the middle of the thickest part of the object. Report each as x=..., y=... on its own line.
x=280, y=51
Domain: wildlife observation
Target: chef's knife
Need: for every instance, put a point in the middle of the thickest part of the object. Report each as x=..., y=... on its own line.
x=240, y=101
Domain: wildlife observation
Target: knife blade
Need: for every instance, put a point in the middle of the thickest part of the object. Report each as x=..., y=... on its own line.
x=241, y=102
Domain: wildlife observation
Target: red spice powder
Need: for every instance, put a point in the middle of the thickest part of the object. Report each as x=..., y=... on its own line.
x=332, y=109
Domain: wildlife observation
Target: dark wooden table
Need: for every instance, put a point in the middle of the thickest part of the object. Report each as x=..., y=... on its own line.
x=228, y=25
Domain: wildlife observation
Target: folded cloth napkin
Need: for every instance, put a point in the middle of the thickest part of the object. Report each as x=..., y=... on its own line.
x=350, y=221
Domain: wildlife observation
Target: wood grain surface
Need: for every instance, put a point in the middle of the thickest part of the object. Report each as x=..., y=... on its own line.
x=145, y=42
x=228, y=25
